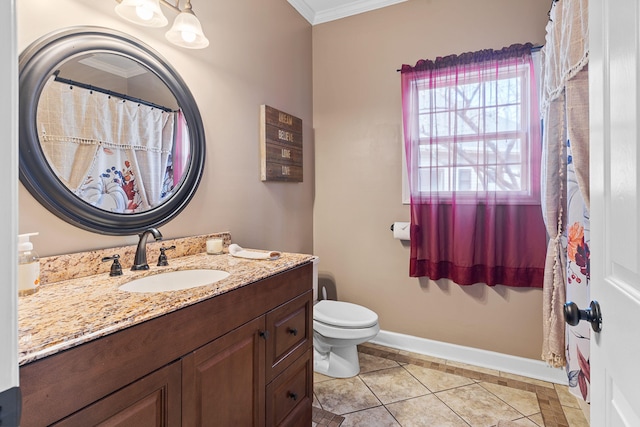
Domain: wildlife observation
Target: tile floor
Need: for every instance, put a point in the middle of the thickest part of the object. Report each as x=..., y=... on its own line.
x=396, y=388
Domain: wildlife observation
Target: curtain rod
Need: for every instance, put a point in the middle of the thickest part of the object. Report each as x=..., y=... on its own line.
x=111, y=93
x=533, y=49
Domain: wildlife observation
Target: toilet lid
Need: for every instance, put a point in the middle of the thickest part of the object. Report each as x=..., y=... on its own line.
x=344, y=314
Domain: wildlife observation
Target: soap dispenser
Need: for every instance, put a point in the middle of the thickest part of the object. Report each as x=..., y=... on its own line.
x=28, y=266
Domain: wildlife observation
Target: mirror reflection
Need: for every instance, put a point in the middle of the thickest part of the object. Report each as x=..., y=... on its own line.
x=112, y=132
x=111, y=138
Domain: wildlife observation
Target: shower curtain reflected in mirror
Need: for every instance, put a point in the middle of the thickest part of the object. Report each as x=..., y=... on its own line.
x=112, y=153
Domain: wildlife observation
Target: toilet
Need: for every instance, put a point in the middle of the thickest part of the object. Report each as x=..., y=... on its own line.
x=338, y=327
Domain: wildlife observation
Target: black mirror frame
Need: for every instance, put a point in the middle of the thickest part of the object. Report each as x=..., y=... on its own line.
x=37, y=63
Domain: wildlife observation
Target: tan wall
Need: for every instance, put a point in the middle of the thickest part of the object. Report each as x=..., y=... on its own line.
x=357, y=124
x=260, y=52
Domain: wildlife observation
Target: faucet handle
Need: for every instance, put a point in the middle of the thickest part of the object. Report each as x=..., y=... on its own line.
x=116, y=268
x=162, y=259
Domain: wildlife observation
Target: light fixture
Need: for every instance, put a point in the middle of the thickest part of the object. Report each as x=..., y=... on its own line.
x=186, y=30
x=142, y=12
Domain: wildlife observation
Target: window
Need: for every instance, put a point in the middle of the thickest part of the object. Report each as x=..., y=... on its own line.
x=472, y=147
x=457, y=115
x=473, y=133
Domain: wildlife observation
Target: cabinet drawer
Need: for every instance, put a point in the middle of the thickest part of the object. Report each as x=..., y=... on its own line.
x=290, y=333
x=290, y=395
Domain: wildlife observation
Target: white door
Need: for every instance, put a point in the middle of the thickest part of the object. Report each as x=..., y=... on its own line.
x=614, y=109
x=8, y=213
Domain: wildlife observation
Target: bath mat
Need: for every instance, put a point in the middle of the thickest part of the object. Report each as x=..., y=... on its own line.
x=324, y=418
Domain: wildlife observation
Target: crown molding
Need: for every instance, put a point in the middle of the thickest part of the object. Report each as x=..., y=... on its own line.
x=303, y=9
x=331, y=14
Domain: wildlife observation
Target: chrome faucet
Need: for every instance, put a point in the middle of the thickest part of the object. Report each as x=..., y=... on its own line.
x=140, y=260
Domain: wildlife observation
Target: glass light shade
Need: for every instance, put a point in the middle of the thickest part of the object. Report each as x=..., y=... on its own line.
x=142, y=12
x=187, y=32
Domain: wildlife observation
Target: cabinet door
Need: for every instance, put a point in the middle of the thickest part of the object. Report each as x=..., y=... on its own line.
x=223, y=381
x=152, y=401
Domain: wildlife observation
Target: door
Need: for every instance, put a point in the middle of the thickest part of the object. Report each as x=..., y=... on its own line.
x=614, y=85
x=152, y=401
x=223, y=382
x=9, y=397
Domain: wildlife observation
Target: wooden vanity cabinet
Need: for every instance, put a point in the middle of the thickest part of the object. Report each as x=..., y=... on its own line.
x=223, y=383
x=243, y=358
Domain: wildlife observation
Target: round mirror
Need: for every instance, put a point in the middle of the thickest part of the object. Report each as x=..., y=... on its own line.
x=111, y=139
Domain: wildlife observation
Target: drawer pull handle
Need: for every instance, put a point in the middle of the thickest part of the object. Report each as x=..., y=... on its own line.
x=293, y=331
x=264, y=334
x=293, y=396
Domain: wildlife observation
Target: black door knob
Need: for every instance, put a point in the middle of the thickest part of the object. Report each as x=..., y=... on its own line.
x=573, y=315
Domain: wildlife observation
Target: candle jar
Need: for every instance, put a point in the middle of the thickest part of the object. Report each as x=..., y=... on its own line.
x=214, y=246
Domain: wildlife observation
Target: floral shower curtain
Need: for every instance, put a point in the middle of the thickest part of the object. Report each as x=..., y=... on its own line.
x=578, y=240
x=565, y=112
x=110, y=152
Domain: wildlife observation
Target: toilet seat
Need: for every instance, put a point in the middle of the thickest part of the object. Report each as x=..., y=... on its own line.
x=344, y=314
x=344, y=334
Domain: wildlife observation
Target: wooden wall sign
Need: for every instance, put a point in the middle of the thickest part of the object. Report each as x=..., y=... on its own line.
x=280, y=145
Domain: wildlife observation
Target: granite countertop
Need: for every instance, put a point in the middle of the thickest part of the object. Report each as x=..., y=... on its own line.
x=70, y=312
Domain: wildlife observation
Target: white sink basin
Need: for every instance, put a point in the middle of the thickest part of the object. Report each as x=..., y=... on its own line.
x=174, y=281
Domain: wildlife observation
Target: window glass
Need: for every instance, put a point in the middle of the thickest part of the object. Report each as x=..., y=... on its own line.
x=481, y=133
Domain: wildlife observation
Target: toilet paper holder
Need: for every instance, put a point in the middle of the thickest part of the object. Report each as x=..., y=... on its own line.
x=401, y=230
x=391, y=228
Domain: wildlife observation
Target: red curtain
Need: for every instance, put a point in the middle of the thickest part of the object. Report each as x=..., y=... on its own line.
x=181, y=151
x=472, y=141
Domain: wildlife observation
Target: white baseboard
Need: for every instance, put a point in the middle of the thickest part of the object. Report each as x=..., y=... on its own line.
x=530, y=368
